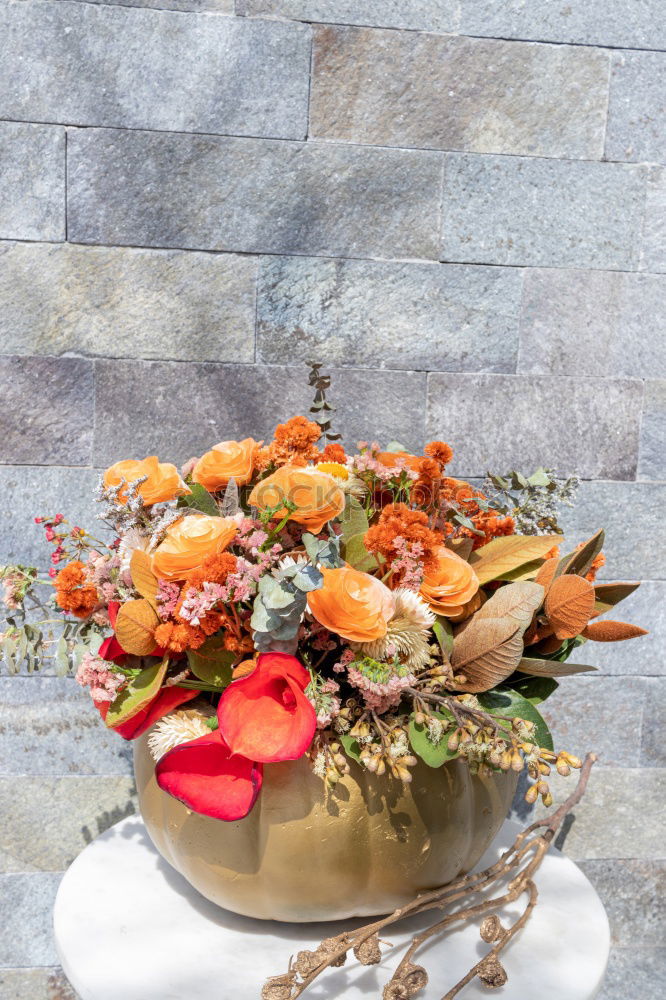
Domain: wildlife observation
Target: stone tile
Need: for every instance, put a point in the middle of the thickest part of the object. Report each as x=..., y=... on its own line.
x=171, y=304
x=632, y=516
x=26, y=905
x=35, y=984
x=654, y=228
x=124, y=67
x=198, y=6
x=645, y=607
x=46, y=822
x=424, y=15
x=637, y=107
x=388, y=315
x=609, y=822
x=525, y=421
x=634, y=894
x=652, y=459
x=593, y=323
x=32, y=182
x=273, y=197
x=579, y=711
x=635, y=972
x=226, y=401
x=538, y=212
x=47, y=410
x=49, y=726
x=653, y=750
x=430, y=91
x=639, y=24
x=30, y=491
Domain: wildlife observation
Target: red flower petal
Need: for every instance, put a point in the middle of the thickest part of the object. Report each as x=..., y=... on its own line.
x=265, y=716
x=113, y=607
x=208, y=778
x=111, y=650
x=166, y=701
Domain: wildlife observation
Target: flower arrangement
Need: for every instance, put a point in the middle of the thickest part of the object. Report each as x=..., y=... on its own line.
x=274, y=600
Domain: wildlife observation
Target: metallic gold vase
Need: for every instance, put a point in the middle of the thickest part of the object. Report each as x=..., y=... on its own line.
x=304, y=854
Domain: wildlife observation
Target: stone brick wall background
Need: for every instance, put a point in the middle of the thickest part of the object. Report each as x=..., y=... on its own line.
x=458, y=205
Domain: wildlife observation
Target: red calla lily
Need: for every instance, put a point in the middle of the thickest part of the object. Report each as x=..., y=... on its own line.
x=265, y=715
x=207, y=777
x=165, y=702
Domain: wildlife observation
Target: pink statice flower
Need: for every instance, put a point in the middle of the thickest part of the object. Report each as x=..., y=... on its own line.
x=408, y=565
x=166, y=599
x=198, y=603
x=368, y=461
x=94, y=673
x=344, y=661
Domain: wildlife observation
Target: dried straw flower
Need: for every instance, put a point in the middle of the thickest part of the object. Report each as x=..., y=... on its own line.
x=179, y=727
x=408, y=632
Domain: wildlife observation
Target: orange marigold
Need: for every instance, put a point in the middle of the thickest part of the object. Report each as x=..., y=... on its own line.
x=492, y=526
x=440, y=451
x=74, y=592
x=179, y=636
x=214, y=569
x=334, y=452
x=597, y=563
x=294, y=444
x=397, y=520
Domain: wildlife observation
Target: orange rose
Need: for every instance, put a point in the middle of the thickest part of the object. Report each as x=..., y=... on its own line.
x=226, y=460
x=317, y=496
x=189, y=541
x=449, y=586
x=162, y=483
x=352, y=604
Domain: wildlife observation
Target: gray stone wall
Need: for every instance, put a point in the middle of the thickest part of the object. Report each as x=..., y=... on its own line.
x=457, y=205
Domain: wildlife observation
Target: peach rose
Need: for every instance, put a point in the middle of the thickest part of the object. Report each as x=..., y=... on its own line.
x=163, y=480
x=450, y=585
x=189, y=541
x=317, y=496
x=352, y=604
x=226, y=460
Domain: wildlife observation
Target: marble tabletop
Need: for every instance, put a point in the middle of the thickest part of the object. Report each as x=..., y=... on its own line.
x=128, y=926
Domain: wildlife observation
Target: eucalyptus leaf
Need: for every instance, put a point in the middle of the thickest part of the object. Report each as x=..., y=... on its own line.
x=432, y=754
x=358, y=556
x=508, y=703
x=61, y=657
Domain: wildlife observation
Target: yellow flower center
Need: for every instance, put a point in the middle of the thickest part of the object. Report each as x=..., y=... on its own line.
x=334, y=469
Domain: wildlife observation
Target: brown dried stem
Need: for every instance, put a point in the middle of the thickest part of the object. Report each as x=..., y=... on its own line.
x=520, y=861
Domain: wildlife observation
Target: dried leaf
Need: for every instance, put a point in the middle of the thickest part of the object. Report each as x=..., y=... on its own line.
x=551, y=668
x=230, y=503
x=607, y=595
x=581, y=559
x=569, y=605
x=486, y=651
x=461, y=546
x=143, y=578
x=135, y=627
x=517, y=600
x=502, y=555
x=546, y=574
x=610, y=631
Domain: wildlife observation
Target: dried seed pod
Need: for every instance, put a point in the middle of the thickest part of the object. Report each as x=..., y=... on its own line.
x=532, y=794
x=491, y=928
x=307, y=961
x=328, y=947
x=492, y=973
x=415, y=979
x=368, y=952
x=395, y=991
x=278, y=988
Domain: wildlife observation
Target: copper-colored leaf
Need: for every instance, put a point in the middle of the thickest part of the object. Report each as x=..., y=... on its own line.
x=486, y=651
x=143, y=578
x=610, y=631
x=504, y=554
x=461, y=546
x=135, y=627
x=607, y=595
x=569, y=605
x=546, y=573
x=546, y=646
x=551, y=668
x=517, y=600
x=580, y=560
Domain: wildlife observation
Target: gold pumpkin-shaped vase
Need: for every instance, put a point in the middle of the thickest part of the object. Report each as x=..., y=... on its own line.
x=304, y=855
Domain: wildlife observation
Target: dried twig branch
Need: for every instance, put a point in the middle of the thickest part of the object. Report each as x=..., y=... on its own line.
x=519, y=863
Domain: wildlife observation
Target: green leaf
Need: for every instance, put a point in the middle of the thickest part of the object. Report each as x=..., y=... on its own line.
x=432, y=754
x=510, y=704
x=444, y=634
x=358, y=556
x=211, y=662
x=534, y=689
x=138, y=694
x=61, y=657
x=351, y=746
x=199, y=499
x=354, y=520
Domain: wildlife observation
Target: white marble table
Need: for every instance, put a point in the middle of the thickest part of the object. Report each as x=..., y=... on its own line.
x=128, y=927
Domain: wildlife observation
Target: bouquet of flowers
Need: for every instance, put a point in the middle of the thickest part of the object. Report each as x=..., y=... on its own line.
x=274, y=600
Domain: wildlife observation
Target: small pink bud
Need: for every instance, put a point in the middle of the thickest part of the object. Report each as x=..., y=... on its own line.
x=58, y=518
x=53, y=572
x=38, y=520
